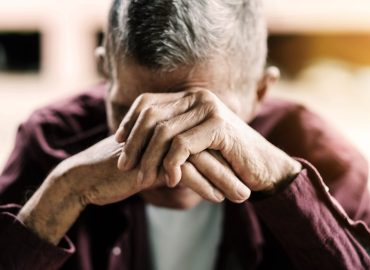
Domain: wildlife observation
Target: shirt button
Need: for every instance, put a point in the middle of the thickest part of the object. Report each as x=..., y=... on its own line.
x=116, y=251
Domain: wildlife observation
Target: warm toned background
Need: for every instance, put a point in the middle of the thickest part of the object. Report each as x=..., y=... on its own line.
x=323, y=48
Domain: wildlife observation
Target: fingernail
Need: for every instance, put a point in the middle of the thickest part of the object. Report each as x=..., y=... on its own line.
x=244, y=192
x=140, y=177
x=219, y=196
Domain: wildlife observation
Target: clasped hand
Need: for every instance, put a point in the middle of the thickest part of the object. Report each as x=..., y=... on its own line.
x=193, y=138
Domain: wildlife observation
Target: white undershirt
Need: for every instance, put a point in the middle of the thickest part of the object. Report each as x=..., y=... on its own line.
x=184, y=239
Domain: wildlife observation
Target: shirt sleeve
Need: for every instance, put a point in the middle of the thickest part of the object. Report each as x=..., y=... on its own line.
x=29, y=163
x=312, y=227
x=50, y=135
x=22, y=249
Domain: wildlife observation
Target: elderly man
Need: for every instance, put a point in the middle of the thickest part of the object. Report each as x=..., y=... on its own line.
x=202, y=172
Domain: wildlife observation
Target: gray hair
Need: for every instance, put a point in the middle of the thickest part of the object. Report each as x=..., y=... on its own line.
x=165, y=34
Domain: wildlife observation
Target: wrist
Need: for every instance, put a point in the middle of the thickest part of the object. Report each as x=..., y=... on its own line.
x=289, y=169
x=54, y=207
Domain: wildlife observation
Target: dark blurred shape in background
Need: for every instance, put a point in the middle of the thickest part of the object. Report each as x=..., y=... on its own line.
x=20, y=51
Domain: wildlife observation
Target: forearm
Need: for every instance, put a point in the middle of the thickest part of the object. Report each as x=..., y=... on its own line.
x=54, y=207
x=282, y=170
x=313, y=231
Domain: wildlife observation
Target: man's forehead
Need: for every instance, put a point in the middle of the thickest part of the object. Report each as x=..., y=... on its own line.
x=133, y=80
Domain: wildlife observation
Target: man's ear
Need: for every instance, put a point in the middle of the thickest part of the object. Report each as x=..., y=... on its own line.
x=101, y=62
x=271, y=76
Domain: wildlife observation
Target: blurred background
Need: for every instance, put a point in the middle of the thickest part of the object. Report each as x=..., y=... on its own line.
x=322, y=47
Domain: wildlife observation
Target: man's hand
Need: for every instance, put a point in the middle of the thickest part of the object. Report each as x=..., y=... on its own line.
x=92, y=177
x=174, y=129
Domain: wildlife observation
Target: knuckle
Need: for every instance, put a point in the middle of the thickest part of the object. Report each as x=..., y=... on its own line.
x=162, y=129
x=143, y=99
x=169, y=164
x=205, y=95
x=223, y=174
x=186, y=167
x=217, y=116
x=209, y=107
x=179, y=142
x=218, y=119
x=149, y=112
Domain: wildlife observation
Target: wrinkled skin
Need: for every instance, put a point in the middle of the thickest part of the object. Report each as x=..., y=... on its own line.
x=191, y=132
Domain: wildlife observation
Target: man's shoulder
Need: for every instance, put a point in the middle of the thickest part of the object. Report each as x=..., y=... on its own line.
x=272, y=112
x=70, y=124
x=302, y=133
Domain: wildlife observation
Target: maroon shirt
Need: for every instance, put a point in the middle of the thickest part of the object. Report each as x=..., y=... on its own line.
x=300, y=227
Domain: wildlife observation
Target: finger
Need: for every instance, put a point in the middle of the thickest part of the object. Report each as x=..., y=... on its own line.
x=141, y=103
x=189, y=143
x=194, y=180
x=217, y=171
x=144, y=128
x=162, y=136
x=154, y=183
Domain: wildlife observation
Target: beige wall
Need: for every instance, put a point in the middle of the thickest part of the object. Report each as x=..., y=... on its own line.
x=68, y=31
